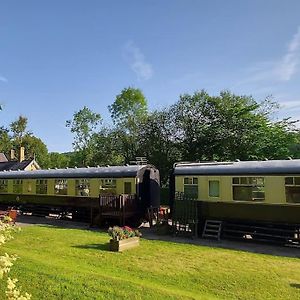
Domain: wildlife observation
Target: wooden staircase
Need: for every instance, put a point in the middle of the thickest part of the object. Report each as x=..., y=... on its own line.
x=212, y=229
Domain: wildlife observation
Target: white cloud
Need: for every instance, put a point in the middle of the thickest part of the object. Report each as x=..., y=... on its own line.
x=290, y=105
x=137, y=62
x=290, y=62
x=279, y=70
x=3, y=79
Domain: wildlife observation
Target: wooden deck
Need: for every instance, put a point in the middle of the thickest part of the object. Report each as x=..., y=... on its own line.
x=120, y=207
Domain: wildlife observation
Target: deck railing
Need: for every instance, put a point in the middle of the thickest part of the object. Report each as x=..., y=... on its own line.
x=120, y=207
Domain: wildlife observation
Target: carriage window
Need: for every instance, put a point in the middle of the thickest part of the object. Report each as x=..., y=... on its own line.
x=248, y=188
x=127, y=187
x=214, y=188
x=108, y=186
x=41, y=186
x=17, y=186
x=292, y=189
x=61, y=187
x=82, y=187
x=3, y=186
x=190, y=185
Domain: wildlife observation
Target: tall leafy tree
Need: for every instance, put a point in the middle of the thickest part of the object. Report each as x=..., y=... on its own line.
x=157, y=138
x=128, y=112
x=5, y=141
x=84, y=125
x=227, y=127
x=19, y=130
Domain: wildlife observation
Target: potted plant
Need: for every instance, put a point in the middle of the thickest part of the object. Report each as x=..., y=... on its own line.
x=123, y=238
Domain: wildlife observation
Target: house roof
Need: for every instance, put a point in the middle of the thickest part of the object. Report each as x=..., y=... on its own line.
x=14, y=165
x=93, y=172
x=269, y=167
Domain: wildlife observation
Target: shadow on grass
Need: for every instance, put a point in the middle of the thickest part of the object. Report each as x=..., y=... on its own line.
x=295, y=285
x=101, y=247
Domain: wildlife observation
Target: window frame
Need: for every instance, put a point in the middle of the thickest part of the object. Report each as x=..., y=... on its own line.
x=249, y=182
x=192, y=182
x=291, y=186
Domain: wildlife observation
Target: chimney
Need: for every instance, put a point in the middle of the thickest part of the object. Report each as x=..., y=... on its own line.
x=22, y=154
x=12, y=154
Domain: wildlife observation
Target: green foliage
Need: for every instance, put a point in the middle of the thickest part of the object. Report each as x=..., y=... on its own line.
x=128, y=112
x=83, y=125
x=58, y=160
x=227, y=127
x=158, y=141
x=129, y=108
x=5, y=141
x=19, y=130
x=36, y=148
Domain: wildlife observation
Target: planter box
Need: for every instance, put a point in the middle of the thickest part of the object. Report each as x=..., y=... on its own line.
x=124, y=244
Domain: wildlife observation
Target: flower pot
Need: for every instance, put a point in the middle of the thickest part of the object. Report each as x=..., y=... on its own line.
x=125, y=244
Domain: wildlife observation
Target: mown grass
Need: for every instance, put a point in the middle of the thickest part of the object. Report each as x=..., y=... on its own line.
x=58, y=263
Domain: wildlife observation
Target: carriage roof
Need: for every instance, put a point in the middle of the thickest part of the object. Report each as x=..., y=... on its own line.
x=89, y=172
x=268, y=167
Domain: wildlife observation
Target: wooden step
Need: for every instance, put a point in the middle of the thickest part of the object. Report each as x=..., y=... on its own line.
x=212, y=229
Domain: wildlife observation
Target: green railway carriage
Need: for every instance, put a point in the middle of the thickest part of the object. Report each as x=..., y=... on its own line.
x=78, y=189
x=248, y=191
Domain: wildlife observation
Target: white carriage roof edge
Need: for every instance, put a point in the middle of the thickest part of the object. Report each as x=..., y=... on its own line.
x=270, y=167
x=88, y=172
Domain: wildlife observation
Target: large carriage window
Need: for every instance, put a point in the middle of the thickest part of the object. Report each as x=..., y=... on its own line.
x=3, y=186
x=41, y=186
x=108, y=186
x=214, y=188
x=61, y=187
x=292, y=189
x=190, y=185
x=17, y=186
x=248, y=188
x=82, y=187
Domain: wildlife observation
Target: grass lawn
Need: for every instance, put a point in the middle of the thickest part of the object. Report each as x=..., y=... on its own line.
x=58, y=263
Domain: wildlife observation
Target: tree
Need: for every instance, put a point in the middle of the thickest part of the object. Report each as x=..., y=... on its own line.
x=19, y=130
x=35, y=148
x=5, y=141
x=158, y=141
x=129, y=108
x=227, y=127
x=58, y=160
x=128, y=112
x=83, y=126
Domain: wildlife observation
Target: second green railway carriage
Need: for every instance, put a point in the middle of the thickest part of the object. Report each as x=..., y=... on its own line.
x=254, y=191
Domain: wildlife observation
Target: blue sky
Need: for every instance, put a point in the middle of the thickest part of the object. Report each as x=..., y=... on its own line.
x=57, y=56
